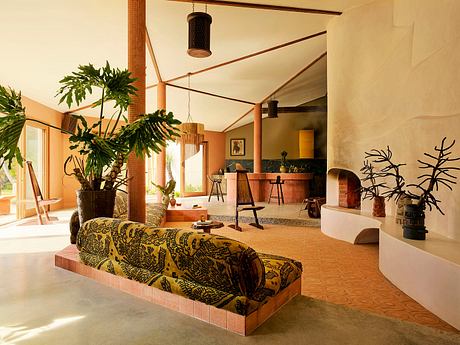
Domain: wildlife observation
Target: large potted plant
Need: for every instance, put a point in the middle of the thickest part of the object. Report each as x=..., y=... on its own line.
x=100, y=149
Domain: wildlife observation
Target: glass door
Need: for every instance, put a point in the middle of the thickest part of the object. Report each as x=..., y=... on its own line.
x=34, y=144
x=193, y=173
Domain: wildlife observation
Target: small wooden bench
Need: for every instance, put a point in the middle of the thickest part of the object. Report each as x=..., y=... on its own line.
x=185, y=213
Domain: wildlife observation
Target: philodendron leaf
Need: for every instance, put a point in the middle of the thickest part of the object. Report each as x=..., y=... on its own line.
x=11, y=125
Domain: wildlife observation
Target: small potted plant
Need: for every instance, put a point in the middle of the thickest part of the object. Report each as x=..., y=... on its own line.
x=166, y=191
x=174, y=196
x=391, y=170
x=283, y=166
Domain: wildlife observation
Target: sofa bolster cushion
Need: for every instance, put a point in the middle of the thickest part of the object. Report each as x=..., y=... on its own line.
x=280, y=272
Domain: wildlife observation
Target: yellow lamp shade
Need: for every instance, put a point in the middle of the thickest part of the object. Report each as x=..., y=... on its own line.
x=307, y=143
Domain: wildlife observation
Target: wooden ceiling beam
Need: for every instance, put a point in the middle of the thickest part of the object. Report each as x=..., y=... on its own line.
x=299, y=109
x=260, y=52
x=79, y=109
x=238, y=119
x=210, y=94
x=152, y=55
x=295, y=76
x=262, y=6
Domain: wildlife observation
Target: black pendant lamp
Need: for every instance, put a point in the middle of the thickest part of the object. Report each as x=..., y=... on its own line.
x=272, y=109
x=199, y=34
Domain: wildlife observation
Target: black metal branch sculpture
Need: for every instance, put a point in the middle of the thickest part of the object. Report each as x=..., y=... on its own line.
x=370, y=177
x=389, y=169
x=441, y=175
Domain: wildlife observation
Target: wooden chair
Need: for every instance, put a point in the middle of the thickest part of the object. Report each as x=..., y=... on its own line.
x=244, y=200
x=216, y=184
x=38, y=197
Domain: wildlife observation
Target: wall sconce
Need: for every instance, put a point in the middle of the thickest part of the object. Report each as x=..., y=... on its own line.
x=199, y=34
x=272, y=109
x=307, y=143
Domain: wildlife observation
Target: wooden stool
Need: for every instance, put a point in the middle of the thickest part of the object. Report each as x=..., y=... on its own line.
x=279, y=190
x=313, y=206
x=216, y=184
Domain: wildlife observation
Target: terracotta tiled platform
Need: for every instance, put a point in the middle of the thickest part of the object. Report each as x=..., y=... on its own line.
x=185, y=213
x=68, y=259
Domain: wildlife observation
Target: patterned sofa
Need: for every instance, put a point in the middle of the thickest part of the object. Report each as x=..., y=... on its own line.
x=215, y=270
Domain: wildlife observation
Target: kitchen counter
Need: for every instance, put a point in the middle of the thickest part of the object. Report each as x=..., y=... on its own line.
x=296, y=186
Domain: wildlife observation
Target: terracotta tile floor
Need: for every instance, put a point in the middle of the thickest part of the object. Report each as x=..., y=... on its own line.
x=335, y=271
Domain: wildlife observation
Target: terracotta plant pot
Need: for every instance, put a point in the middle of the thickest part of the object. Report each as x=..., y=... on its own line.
x=93, y=204
x=379, y=207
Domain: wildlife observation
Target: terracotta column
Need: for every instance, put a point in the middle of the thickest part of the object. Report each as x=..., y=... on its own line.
x=160, y=173
x=136, y=65
x=258, y=138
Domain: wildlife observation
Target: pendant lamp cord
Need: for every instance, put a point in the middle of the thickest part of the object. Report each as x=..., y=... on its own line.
x=189, y=117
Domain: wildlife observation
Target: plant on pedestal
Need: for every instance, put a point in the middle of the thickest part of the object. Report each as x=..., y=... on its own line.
x=102, y=148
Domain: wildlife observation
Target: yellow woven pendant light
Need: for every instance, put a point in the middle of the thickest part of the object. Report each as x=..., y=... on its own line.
x=192, y=133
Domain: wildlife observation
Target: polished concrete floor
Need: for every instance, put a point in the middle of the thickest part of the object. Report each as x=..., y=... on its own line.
x=44, y=305
x=41, y=304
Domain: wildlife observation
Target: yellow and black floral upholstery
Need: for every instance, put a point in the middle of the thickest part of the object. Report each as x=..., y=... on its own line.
x=212, y=269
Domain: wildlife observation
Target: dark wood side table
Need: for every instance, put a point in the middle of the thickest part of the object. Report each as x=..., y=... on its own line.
x=207, y=227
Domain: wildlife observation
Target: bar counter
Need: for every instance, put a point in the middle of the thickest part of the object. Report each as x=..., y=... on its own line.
x=296, y=186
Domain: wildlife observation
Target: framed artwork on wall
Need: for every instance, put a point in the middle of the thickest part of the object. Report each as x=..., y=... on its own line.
x=237, y=147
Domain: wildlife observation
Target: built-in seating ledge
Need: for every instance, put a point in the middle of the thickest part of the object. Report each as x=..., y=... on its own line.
x=68, y=259
x=428, y=271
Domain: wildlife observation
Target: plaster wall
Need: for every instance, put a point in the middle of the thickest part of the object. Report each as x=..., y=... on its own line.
x=216, y=151
x=393, y=80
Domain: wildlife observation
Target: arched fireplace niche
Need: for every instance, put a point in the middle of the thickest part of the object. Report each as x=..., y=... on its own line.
x=343, y=189
x=341, y=217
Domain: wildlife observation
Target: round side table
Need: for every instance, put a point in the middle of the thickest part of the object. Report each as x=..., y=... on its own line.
x=207, y=227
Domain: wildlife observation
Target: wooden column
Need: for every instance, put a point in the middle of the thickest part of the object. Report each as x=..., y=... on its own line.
x=160, y=172
x=136, y=65
x=258, y=138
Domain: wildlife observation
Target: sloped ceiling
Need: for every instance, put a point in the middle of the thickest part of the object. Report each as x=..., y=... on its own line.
x=44, y=40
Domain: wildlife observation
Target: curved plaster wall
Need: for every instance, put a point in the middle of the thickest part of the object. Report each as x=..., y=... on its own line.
x=393, y=80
